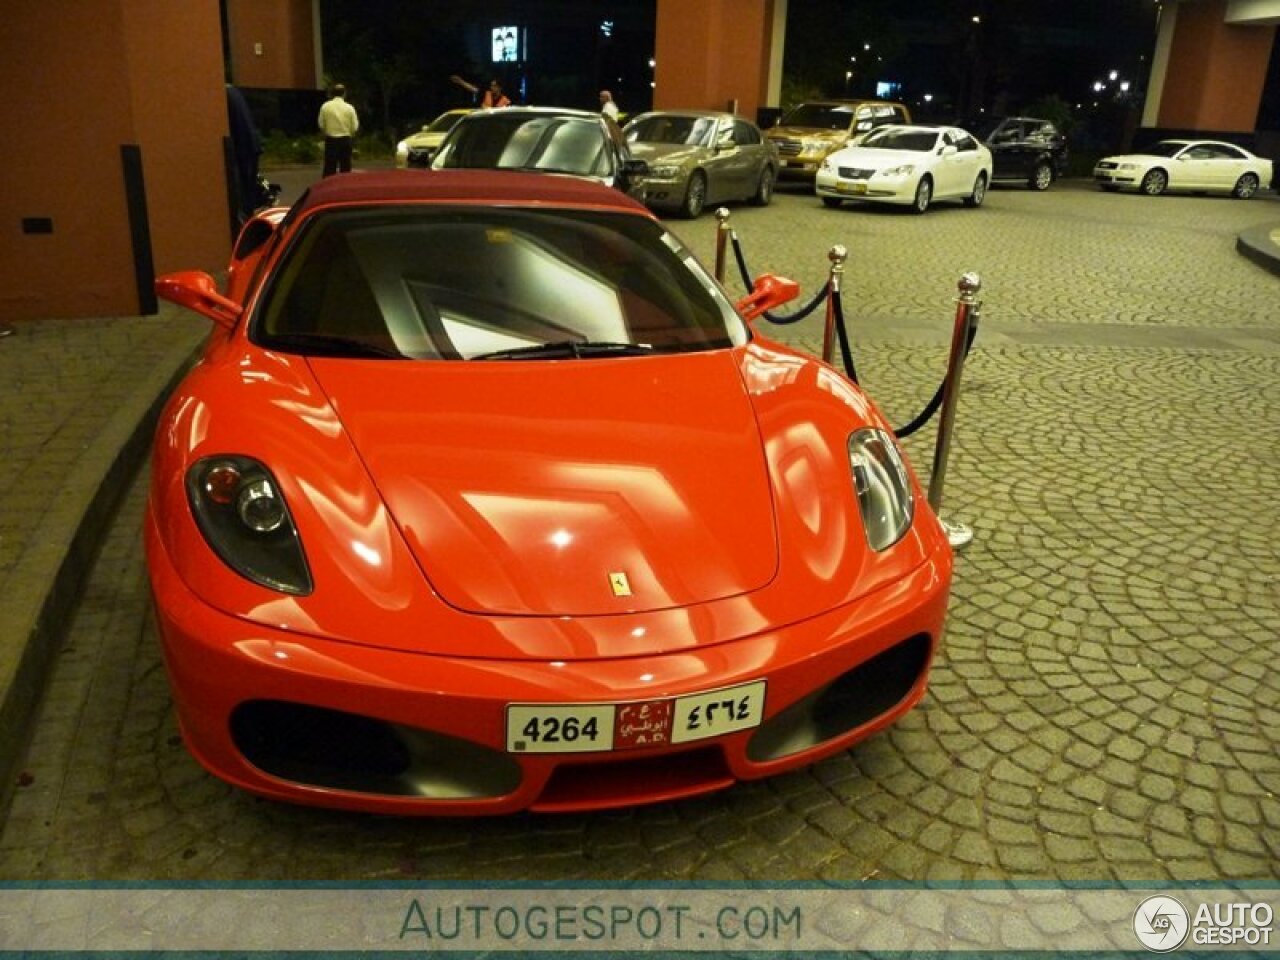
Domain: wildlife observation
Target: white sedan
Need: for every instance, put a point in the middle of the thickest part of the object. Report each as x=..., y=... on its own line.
x=909, y=165
x=1198, y=166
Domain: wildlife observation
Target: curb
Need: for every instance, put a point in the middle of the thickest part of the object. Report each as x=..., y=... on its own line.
x=81, y=512
x=1261, y=244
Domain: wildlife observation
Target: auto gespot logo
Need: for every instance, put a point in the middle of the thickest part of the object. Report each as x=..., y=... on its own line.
x=1162, y=924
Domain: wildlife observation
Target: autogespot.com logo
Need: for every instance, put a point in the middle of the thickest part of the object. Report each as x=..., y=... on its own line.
x=1161, y=923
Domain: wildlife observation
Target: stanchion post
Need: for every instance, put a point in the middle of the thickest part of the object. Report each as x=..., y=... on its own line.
x=968, y=308
x=722, y=241
x=837, y=255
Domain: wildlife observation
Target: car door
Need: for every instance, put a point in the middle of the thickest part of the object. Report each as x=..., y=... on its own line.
x=1192, y=168
x=1008, y=150
x=1223, y=166
x=957, y=166
x=755, y=156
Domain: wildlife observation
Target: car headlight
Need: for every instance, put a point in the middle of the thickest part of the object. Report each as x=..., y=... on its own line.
x=664, y=172
x=402, y=149
x=900, y=171
x=1126, y=166
x=883, y=487
x=241, y=512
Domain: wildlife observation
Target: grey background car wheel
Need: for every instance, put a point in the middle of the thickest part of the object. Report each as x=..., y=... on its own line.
x=1246, y=186
x=1041, y=177
x=924, y=194
x=1154, y=182
x=764, y=188
x=695, y=195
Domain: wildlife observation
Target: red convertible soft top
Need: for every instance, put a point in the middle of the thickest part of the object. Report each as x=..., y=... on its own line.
x=464, y=186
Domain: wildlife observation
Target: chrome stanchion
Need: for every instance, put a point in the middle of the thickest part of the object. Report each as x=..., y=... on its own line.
x=968, y=308
x=722, y=241
x=837, y=255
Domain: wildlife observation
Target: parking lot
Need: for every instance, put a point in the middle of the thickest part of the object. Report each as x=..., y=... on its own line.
x=1105, y=704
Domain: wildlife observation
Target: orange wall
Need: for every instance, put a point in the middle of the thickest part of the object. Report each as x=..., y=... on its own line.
x=285, y=29
x=85, y=77
x=1216, y=71
x=711, y=52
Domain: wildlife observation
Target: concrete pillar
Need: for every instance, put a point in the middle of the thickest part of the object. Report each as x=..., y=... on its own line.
x=718, y=54
x=1214, y=72
x=113, y=102
x=274, y=44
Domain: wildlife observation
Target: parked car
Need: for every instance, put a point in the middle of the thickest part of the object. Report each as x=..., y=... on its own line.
x=417, y=149
x=544, y=140
x=484, y=497
x=810, y=131
x=909, y=165
x=699, y=157
x=1196, y=166
x=1026, y=150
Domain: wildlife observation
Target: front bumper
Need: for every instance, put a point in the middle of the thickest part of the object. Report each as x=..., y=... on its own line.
x=1114, y=178
x=313, y=721
x=884, y=190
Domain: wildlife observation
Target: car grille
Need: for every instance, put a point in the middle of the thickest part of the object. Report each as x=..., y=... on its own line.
x=854, y=173
x=788, y=148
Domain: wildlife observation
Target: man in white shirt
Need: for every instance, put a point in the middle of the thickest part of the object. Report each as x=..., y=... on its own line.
x=339, y=123
x=607, y=106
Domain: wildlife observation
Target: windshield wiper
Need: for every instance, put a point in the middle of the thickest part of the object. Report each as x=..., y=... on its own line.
x=559, y=349
x=327, y=345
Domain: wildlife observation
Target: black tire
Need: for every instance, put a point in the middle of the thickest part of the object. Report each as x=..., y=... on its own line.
x=1246, y=186
x=924, y=195
x=1041, y=176
x=1155, y=182
x=979, y=192
x=695, y=196
x=764, y=188
x=832, y=202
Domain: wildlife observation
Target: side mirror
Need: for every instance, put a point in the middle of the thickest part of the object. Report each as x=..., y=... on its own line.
x=948, y=151
x=768, y=291
x=633, y=169
x=196, y=291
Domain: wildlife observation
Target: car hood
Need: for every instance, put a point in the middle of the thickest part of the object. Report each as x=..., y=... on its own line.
x=422, y=139
x=567, y=488
x=667, y=152
x=1143, y=158
x=809, y=133
x=872, y=159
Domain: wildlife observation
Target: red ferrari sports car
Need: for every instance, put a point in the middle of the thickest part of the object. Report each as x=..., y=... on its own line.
x=483, y=497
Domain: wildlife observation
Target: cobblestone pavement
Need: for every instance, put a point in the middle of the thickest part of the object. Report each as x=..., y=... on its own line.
x=1105, y=705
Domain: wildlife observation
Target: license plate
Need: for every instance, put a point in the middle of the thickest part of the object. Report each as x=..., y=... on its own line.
x=851, y=188
x=589, y=727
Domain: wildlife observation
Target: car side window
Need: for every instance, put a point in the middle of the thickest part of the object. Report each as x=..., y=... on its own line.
x=744, y=134
x=965, y=142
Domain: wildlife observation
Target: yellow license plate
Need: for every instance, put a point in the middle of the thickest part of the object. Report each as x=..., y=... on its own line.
x=851, y=188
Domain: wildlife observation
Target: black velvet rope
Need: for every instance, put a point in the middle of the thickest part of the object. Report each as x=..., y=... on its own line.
x=842, y=335
x=932, y=407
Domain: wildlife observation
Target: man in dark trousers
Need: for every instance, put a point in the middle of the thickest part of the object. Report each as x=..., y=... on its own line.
x=339, y=123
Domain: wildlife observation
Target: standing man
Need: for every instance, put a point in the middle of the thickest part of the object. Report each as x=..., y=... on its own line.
x=607, y=106
x=339, y=123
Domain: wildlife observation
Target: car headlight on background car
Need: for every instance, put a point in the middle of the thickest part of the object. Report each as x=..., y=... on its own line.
x=1126, y=166
x=402, y=149
x=664, y=172
x=882, y=485
x=241, y=512
x=903, y=170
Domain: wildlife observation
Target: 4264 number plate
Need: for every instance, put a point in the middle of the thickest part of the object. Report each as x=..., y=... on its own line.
x=588, y=727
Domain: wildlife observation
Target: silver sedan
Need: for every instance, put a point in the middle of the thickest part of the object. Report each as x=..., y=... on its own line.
x=699, y=157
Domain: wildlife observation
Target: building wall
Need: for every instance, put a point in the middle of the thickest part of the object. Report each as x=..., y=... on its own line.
x=151, y=77
x=712, y=53
x=1216, y=71
x=272, y=44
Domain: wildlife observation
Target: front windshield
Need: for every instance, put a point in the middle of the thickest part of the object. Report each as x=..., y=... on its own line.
x=506, y=140
x=666, y=128
x=1165, y=148
x=890, y=138
x=458, y=283
x=826, y=116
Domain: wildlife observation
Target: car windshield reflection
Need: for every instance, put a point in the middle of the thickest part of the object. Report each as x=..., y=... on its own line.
x=691, y=131
x=921, y=141
x=459, y=284
x=510, y=141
